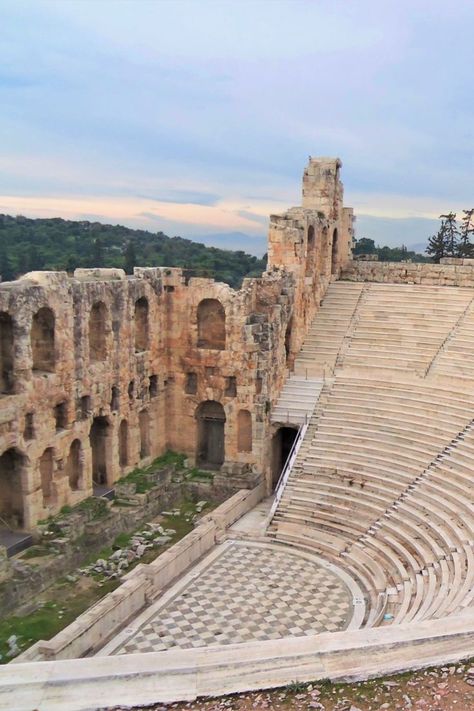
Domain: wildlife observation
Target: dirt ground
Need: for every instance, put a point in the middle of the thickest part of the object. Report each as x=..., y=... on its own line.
x=449, y=688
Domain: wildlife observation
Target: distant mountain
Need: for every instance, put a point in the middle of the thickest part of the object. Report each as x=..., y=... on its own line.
x=253, y=244
x=36, y=244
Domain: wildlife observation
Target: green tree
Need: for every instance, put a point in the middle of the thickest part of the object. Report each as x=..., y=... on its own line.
x=437, y=244
x=451, y=233
x=466, y=247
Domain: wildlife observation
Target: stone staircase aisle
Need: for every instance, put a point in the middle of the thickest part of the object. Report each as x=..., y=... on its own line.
x=297, y=400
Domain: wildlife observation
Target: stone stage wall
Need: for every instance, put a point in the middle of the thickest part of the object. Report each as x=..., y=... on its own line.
x=101, y=372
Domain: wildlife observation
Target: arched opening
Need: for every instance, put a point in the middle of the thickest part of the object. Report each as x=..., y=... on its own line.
x=244, y=431
x=74, y=465
x=42, y=340
x=211, y=324
x=97, y=332
x=310, y=250
x=282, y=442
x=115, y=399
x=6, y=353
x=11, y=493
x=123, y=443
x=323, y=252
x=210, y=416
x=144, y=426
x=334, y=251
x=46, y=467
x=141, y=324
x=98, y=438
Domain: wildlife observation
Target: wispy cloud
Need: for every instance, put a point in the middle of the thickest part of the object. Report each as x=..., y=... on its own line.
x=202, y=115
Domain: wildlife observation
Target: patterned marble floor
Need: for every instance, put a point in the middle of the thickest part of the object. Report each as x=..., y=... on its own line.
x=243, y=592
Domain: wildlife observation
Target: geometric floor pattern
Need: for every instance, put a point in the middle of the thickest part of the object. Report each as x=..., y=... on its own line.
x=248, y=593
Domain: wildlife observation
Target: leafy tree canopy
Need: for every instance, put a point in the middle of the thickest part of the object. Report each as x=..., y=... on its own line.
x=32, y=244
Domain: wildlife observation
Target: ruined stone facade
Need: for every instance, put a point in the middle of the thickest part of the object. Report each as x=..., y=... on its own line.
x=101, y=372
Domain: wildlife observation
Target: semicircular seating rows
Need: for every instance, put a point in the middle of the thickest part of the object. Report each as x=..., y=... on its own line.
x=383, y=482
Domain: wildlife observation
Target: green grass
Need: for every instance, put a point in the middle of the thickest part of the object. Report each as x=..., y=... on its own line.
x=140, y=476
x=45, y=622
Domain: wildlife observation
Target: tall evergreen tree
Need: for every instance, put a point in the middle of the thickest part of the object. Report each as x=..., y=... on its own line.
x=437, y=244
x=466, y=247
x=451, y=234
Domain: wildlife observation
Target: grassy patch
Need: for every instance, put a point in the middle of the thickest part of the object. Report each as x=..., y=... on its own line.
x=50, y=618
x=141, y=476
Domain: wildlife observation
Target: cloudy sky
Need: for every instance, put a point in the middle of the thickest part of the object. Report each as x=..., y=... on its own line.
x=196, y=117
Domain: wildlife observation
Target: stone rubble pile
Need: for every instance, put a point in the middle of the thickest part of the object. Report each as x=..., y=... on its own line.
x=111, y=568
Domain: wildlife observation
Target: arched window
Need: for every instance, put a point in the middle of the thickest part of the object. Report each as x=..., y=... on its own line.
x=323, y=252
x=310, y=250
x=98, y=332
x=144, y=425
x=74, y=465
x=210, y=446
x=123, y=443
x=288, y=333
x=6, y=353
x=99, y=441
x=141, y=324
x=46, y=467
x=211, y=324
x=244, y=431
x=42, y=340
x=11, y=491
x=334, y=251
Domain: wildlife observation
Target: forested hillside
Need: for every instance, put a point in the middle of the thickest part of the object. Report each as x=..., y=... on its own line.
x=32, y=244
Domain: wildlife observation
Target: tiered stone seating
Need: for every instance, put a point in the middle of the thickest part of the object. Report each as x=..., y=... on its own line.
x=383, y=487
x=402, y=327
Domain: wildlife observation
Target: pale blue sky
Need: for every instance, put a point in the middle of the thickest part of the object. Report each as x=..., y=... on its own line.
x=197, y=116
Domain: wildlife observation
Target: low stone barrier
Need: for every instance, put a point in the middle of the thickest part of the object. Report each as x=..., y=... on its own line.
x=162, y=677
x=450, y=272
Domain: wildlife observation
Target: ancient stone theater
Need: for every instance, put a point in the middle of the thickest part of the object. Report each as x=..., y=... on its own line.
x=335, y=400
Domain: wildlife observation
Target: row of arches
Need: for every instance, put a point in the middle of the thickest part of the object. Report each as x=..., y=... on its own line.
x=13, y=465
x=43, y=335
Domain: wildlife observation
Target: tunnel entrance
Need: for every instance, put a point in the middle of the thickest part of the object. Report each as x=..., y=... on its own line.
x=282, y=442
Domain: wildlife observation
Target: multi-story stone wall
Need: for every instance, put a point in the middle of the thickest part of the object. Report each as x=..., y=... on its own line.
x=100, y=372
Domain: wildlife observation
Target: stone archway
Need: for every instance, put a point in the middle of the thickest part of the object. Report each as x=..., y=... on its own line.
x=12, y=463
x=211, y=418
x=99, y=435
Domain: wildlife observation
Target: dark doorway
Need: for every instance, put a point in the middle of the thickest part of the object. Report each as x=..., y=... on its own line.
x=211, y=419
x=11, y=494
x=98, y=441
x=282, y=442
x=334, y=252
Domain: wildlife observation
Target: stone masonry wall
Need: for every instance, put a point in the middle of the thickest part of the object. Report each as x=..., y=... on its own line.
x=450, y=272
x=101, y=372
